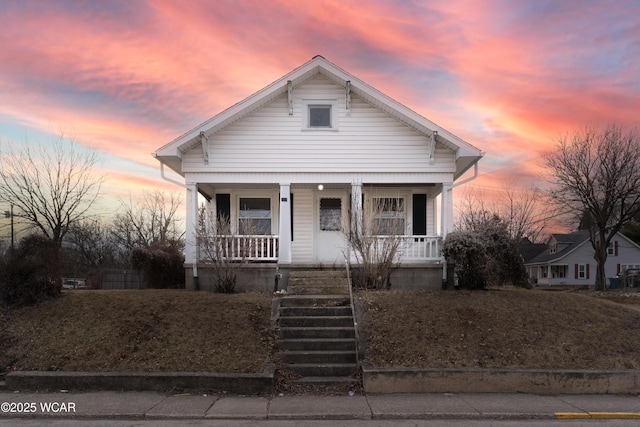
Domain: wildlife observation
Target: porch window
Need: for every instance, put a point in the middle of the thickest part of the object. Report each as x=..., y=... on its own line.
x=254, y=216
x=388, y=216
x=559, y=271
x=543, y=272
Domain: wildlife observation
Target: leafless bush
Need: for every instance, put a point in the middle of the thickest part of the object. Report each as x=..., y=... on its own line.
x=222, y=248
x=212, y=242
x=376, y=241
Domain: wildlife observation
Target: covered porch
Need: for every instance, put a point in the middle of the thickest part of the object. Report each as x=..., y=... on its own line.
x=309, y=223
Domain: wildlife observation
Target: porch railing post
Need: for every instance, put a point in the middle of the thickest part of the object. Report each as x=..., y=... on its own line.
x=284, y=255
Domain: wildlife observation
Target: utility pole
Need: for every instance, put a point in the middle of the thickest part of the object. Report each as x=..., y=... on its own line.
x=9, y=214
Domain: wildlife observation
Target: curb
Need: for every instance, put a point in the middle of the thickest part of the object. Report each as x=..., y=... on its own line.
x=259, y=383
x=534, y=381
x=375, y=381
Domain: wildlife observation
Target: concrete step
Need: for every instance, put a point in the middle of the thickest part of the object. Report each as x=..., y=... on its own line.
x=317, y=273
x=301, y=333
x=325, y=381
x=322, y=369
x=311, y=344
x=318, y=357
x=316, y=311
x=315, y=301
x=319, y=279
x=330, y=289
x=316, y=321
x=318, y=282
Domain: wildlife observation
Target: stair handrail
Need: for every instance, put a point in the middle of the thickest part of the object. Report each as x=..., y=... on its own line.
x=353, y=311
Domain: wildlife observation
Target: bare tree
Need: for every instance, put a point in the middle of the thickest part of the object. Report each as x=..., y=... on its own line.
x=519, y=209
x=596, y=173
x=52, y=186
x=93, y=246
x=151, y=222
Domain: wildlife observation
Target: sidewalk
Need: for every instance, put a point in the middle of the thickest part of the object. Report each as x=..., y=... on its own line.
x=152, y=405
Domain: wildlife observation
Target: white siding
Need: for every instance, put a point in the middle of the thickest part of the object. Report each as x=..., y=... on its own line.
x=582, y=255
x=432, y=213
x=302, y=245
x=367, y=140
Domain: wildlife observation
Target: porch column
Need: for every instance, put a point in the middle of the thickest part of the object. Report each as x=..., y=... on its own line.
x=446, y=209
x=284, y=251
x=446, y=225
x=191, y=222
x=356, y=207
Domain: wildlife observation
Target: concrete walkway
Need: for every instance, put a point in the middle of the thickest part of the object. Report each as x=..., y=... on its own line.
x=152, y=405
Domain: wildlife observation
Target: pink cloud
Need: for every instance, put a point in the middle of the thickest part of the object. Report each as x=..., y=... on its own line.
x=508, y=77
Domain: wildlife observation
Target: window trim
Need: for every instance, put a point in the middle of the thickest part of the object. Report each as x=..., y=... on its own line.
x=259, y=194
x=582, y=271
x=307, y=104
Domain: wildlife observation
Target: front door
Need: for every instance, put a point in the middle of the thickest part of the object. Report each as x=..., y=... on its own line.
x=330, y=215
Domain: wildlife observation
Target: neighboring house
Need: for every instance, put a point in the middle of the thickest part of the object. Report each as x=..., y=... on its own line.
x=567, y=259
x=309, y=152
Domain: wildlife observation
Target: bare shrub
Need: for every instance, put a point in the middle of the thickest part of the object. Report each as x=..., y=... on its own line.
x=162, y=265
x=225, y=250
x=213, y=239
x=376, y=241
x=30, y=273
x=467, y=251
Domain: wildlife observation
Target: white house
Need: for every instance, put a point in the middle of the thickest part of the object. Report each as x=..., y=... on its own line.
x=568, y=260
x=295, y=158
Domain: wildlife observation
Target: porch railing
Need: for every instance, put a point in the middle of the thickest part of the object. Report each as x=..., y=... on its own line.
x=249, y=247
x=265, y=247
x=416, y=248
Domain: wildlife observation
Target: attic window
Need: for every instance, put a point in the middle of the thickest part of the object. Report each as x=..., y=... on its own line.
x=320, y=114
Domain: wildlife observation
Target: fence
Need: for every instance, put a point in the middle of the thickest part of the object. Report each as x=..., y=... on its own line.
x=122, y=279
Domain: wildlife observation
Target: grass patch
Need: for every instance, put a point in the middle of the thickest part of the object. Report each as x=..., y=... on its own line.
x=186, y=331
x=149, y=330
x=506, y=328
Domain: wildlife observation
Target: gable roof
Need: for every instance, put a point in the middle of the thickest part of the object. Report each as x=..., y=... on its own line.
x=466, y=154
x=530, y=251
x=572, y=240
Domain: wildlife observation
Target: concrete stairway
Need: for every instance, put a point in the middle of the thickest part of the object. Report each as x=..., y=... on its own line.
x=317, y=338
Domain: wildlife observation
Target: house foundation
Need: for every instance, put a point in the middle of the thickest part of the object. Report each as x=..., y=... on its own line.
x=269, y=277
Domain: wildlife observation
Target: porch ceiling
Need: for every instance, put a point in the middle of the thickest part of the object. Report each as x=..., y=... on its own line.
x=209, y=189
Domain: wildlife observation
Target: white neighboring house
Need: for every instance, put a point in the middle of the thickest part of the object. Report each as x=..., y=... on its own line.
x=568, y=260
x=316, y=144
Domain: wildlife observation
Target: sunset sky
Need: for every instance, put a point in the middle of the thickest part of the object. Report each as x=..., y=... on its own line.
x=128, y=76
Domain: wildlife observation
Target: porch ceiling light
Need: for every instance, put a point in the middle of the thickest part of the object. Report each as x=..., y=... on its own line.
x=320, y=187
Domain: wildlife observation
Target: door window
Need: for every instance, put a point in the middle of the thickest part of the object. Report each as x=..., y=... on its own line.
x=330, y=214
